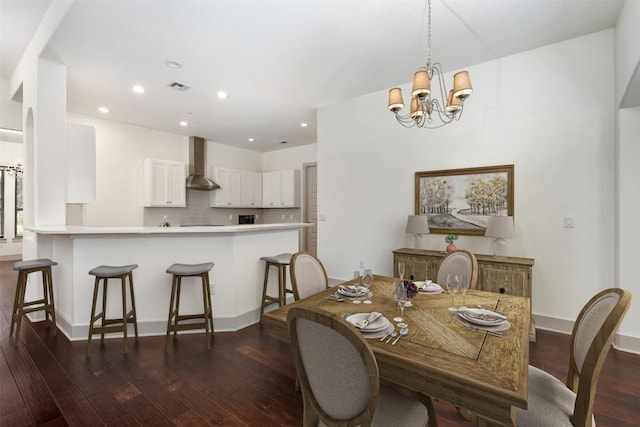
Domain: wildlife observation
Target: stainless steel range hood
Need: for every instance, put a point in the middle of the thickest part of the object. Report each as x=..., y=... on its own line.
x=197, y=160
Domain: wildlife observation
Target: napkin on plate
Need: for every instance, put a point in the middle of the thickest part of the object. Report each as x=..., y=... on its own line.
x=372, y=318
x=481, y=313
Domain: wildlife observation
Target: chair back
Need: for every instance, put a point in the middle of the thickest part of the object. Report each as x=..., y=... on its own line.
x=592, y=335
x=308, y=275
x=337, y=370
x=459, y=262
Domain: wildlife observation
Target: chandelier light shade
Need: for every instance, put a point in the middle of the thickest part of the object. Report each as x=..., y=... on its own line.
x=428, y=109
x=417, y=225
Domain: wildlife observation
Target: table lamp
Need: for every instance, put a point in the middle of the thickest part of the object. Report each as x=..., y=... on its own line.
x=500, y=227
x=417, y=225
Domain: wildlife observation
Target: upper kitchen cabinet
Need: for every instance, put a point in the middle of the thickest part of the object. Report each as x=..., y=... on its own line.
x=81, y=163
x=238, y=189
x=281, y=189
x=164, y=183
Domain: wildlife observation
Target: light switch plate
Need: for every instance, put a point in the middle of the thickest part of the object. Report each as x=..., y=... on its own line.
x=569, y=222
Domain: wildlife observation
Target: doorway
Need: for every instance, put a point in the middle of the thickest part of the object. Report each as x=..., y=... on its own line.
x=310, y=214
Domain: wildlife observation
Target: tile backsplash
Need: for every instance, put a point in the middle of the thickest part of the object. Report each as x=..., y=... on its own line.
x=198, y=212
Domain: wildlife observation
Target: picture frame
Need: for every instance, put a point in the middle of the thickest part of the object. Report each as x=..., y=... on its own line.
x=460, y=201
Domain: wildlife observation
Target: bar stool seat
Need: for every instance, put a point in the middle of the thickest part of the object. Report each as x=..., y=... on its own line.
x=104, y=273
x=281, y=262
x=173, y=322
x=46, y=303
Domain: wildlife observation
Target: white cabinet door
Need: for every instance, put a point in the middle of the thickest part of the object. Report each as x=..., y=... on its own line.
x=272, y=189
x=164, y=183
x=229, y=193
x=290, y=188
x=281, y=189
x=251, y=186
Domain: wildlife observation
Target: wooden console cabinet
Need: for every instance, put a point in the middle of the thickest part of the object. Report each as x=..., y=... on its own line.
x=495, y=274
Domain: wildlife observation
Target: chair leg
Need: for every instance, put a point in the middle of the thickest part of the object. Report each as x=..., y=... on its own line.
x=206, y=310
x=282, y=285
x=105, y=286
x=264, y=289
x=123, y=287
x=177, y=308
x=210, y=316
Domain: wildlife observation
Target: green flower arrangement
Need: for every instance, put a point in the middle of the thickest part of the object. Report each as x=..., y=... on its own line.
x=450, y=238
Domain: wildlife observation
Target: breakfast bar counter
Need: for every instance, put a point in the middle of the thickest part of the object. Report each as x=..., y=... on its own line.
x=236, y=278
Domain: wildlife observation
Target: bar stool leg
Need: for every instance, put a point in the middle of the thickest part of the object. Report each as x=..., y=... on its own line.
x=96, y=286
x=123, y=287
x=16, y=301
x=50, y=301
x=171, y=305
x=177, y=316
x=133, y=307
x=210, y=318
x=206, y=312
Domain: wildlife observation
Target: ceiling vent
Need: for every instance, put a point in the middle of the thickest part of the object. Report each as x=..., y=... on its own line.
x=179, y=86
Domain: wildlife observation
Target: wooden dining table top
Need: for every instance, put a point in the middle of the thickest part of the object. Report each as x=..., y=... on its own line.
x=440, y=356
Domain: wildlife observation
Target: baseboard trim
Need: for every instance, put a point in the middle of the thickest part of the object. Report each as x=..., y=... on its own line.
x=626, y=343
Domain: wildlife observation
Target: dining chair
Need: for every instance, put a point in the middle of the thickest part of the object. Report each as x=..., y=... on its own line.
x=554, y=403
x=459, y=262
x=339, y=376
x=308, y=275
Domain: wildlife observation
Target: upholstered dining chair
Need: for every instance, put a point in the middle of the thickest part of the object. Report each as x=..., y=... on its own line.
x=339, y=376
x=308, y=275
x=553, y=403
x=459, y=262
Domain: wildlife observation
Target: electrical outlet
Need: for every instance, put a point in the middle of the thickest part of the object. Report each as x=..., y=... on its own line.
x=569, y=222
x=290, y=216
x=230, y=216
x=212, y=287
x=361, y=263
x=282, y=216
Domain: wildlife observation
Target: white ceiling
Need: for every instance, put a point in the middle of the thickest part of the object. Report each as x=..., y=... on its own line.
x=278, y=59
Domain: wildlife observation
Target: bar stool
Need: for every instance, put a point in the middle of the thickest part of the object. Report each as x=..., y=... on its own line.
x=20, y=307
x=281, y=262
x=190, y=270
x=104, y=273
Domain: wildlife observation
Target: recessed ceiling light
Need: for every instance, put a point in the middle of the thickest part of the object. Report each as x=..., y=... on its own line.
x=304, y=124
x=222, y=95
x=138, y=89
x=172, y=64
x=251, y=139
x=104, y=110
x=184, y=124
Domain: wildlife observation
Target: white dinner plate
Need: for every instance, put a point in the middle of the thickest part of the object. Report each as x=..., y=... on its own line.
x=352, y=291
x=480, y=321
x=376, y=326
x=428, y=286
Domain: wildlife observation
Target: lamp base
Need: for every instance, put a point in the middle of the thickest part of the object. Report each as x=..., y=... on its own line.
x=500, y=247
x=416, y=241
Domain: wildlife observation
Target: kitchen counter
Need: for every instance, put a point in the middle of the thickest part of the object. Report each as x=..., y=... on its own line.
x=236, y=278
x=88, y=231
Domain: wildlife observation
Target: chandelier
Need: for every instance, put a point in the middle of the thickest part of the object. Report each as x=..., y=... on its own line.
x=426, y=109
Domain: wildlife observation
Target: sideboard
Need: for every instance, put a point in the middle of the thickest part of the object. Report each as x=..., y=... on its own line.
x=495, y=274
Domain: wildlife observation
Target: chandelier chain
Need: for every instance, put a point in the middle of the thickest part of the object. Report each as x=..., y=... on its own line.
x=429, y=36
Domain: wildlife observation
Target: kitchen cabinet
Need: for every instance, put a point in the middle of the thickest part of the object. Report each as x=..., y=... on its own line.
x=238, y=189
x=509, y=275
x=281, y=189
x=81, y=163
x=164, y=183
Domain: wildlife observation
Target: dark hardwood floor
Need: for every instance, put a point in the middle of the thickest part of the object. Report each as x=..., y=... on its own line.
x=247, y=379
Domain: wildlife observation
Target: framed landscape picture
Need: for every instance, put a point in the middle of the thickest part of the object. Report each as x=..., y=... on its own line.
x=461, y=201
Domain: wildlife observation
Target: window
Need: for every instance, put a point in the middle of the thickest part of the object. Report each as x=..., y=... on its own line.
x=19, y=213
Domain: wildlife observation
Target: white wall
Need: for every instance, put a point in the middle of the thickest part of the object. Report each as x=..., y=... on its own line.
x=289, y=158
x=628, y=207
x=627, y=52
x=549, y=111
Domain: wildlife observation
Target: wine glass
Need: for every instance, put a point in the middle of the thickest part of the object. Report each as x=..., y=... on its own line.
x=464, y=286
x=453, y=283
x=400, y=296
x=356, y=282
x=367, y=279
x=401, y=269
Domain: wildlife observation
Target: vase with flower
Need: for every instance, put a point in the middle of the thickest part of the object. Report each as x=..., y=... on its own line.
x=450, y=238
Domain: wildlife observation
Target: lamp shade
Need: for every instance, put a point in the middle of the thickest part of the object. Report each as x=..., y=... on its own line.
x=500, y=226
x=418, y=224
x=395, y=99
x=462, y=85
x=421, y=84
x=453, y=103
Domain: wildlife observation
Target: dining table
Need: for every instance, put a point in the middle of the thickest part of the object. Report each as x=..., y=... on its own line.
x=441, y=356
